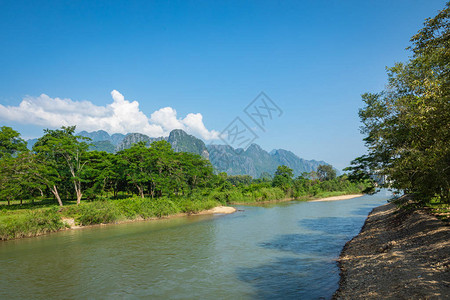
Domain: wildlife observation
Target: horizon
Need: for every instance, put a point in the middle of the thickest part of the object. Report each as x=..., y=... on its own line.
x=151, y=67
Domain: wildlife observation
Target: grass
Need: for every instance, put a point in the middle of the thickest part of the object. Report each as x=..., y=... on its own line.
x=45, y=216
x=32, y=221
x=29, y=223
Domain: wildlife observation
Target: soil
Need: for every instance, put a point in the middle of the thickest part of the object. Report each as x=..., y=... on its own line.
x=397, y=255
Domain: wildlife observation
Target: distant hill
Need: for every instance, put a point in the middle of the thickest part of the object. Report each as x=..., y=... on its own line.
x=31, y=142
x=106, y=146
x=101, y=135
x=133, y=138
x=183, y=142
x=253, y=161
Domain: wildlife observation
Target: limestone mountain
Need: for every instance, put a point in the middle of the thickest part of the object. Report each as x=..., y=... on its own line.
x=253, y=161
x=299, y=165
x=183, y=142
x=133, y=138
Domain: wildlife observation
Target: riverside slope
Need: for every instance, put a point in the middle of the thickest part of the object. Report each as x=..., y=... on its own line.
x=397, y=255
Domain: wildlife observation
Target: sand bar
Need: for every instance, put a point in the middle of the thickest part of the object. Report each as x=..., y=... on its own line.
x=335, y=198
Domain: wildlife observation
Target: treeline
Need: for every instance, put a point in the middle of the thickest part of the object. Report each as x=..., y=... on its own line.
x=407, y=126
x=61, y=166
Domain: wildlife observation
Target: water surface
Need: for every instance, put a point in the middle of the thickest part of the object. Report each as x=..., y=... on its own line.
x=284, y=251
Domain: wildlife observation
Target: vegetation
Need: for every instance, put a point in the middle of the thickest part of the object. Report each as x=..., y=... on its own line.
x=406, y=127
x=61, y=178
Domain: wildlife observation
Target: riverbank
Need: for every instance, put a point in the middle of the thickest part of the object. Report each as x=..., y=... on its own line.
x=397, y=255
x=219, y=210
x=305, y=198
x=44, y=221
x=337, y=198
x=20, y=223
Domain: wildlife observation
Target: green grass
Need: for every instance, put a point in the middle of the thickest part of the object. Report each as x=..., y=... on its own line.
x=41, y=219
x=29, y=223
x=44, y=216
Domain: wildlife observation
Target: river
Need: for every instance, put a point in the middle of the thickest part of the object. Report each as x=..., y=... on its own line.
x=283, y=251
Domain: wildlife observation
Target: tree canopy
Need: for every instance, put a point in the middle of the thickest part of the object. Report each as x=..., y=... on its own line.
x=10, y=142
x=407, y=126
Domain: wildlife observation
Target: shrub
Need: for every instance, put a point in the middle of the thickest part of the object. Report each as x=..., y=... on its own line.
x=30, y=223
x=97, y=212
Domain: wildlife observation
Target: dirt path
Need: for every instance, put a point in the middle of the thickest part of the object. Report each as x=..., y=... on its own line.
x=397, y=255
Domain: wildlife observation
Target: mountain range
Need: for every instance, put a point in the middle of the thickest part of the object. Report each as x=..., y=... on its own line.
x=253, y=161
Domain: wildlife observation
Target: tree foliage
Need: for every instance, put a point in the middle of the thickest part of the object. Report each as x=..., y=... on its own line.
x=326, y=172
x=10, y=142
x=406, y=126
x=61, y=166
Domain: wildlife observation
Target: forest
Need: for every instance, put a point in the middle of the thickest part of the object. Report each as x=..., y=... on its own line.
x=62, y=178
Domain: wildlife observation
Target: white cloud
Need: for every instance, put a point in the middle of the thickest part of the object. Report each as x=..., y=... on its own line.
x=121, y=116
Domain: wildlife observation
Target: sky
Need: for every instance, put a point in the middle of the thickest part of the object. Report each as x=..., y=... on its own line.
x=201, y=66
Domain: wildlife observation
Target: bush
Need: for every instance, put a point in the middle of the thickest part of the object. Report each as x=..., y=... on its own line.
x=30, y=223
x=96, y=212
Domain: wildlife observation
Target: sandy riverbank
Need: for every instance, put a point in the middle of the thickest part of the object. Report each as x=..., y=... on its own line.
x=397, y=255
x=332, y=198
x=335, y=198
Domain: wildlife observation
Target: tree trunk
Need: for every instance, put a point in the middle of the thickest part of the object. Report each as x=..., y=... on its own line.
x=79, y=194
x=55, y=193
x=141, y=192
x=77, y=186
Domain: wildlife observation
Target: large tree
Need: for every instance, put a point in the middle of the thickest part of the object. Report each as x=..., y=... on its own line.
x=406, y=127
x=64, y=153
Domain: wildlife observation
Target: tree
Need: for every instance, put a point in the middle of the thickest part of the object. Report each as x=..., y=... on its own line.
x=138, y=166
x=10, y=142
x=326, y=172
x=63, y=152
x=283, y=177
x=406, y=127
x=22, y=176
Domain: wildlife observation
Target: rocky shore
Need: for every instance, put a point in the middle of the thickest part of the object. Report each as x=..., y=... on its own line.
x=397, y=255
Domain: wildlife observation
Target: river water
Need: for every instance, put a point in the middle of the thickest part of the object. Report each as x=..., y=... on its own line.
x=282, y=251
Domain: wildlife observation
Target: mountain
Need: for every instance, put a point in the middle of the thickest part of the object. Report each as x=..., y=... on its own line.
x=183, y=142
x=101, y=135
x=30, y=143
x=253, y=161
x=106, y=146
x=299, y=165
x=226, y=159
x=133, y=138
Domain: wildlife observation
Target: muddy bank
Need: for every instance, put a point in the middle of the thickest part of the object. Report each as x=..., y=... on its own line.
x=397, y=255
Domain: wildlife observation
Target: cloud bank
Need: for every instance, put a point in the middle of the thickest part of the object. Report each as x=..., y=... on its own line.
x=121, y=116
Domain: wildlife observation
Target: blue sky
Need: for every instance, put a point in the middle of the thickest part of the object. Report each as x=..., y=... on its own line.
x=206, y=60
